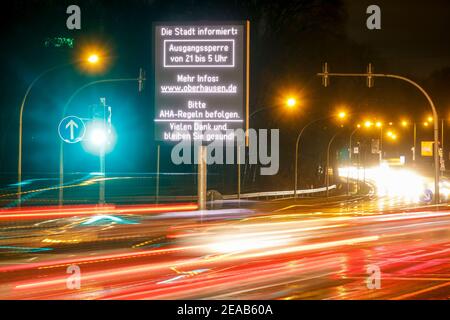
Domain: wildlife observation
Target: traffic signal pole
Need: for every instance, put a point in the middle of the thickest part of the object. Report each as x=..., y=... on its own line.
x=101, y=195
x=369, y=75
x=140, y=80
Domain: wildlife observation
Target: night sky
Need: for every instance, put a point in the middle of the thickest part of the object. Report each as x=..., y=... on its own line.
x=289, y=42
x=414, y=35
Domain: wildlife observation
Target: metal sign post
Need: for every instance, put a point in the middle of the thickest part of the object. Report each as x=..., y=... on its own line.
x=201, y=86
x=158, y=154
x=201, y=176
x=101, y=195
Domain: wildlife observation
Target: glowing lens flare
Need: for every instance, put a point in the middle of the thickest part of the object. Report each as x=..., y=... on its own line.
x=391, y=182
x=98, y=137
x=291, y=102
x=342, y=115
x=93, y=58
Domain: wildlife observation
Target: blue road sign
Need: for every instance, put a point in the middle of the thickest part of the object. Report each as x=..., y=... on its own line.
x=427, y=195
x=71, y=129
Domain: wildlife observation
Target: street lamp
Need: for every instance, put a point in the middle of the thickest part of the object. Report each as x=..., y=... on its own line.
x=291, y=102
x=91, y=60
x=368, y=124
x=340, y=115
x=392, y=135
x=140, y=79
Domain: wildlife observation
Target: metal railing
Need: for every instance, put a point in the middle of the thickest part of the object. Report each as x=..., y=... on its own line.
x=277, y=194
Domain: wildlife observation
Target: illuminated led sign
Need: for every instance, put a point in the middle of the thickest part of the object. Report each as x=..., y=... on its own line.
x=201, y=80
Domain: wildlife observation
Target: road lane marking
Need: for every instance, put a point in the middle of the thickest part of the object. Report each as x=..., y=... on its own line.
x=412, y=294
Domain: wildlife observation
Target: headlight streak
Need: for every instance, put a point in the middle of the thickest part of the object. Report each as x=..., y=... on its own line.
x=391, y=182
x=146, y=268
x=233, y=248
x=58, y=212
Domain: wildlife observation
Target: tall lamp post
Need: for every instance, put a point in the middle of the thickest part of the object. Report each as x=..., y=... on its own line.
x=290, y=102
x=91, y=59
x=296, y=152
x=140, y=81
x=22, y=108
x=341, y=115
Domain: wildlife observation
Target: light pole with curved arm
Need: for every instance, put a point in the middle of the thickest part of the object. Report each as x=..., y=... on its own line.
x=250, y=116
x=297, y=146
x=61, y=145
x=296, y=151
x=22, y=108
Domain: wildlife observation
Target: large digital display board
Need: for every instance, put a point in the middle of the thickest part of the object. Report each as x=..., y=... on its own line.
x=201, y=79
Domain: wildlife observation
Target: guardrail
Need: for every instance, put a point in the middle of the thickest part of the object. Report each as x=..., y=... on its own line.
x=270, y=194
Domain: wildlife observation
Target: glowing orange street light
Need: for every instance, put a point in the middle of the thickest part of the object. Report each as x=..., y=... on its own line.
x=93, y=58
x=86, y=59
x=342, y=115
x=368, y=124
x=378, y=124
x=291, y=102
x=404, y=123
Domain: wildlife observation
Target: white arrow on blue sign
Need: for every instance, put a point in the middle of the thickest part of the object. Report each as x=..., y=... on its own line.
x=428, y=195
x=71, y=129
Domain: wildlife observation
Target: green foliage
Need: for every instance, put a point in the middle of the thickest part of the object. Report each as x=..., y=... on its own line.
x=59, y=42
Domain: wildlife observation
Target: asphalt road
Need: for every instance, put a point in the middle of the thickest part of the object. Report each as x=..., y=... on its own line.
x=358, y=248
